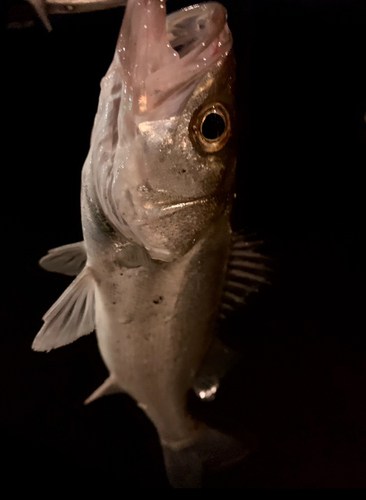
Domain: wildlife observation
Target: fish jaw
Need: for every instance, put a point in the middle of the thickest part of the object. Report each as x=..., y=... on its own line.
x=150, y=67
x=142, y=48
x=141, y=144
x=170, y=193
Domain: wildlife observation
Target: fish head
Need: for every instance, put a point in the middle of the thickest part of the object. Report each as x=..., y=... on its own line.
x=163, y=144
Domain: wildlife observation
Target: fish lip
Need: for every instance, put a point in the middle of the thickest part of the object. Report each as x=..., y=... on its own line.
x=163, y=208
x=213, y=11
x=153, y=72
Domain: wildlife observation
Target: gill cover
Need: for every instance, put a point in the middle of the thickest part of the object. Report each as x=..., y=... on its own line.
x=163, y=71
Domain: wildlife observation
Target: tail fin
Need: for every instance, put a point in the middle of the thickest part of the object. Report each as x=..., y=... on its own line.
x=213, y=452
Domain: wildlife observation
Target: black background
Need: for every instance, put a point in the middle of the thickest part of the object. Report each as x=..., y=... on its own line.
x=301, y=385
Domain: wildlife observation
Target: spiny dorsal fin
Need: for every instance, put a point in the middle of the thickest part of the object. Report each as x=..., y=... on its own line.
x=247, y=270
x=68, y=259
x=70, y=317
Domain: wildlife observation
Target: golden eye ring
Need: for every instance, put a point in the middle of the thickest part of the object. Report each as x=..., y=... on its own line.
x=210, y=127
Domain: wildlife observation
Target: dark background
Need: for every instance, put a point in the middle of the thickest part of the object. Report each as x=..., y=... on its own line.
x=300, y=387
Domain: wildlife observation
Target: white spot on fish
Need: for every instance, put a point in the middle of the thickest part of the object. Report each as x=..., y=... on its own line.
x=207, y=394
x=143, y=103
x=125, y=320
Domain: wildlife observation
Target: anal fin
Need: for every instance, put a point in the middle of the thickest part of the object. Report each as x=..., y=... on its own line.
x=67, y=259
x=70, y=317
x=108, y=387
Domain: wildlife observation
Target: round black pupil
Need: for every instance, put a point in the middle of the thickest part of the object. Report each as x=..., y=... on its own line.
x=213, y=126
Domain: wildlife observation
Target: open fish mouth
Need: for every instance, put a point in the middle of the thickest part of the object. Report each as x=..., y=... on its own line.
x=160, y=63
x=195, y=26
x=161, y=56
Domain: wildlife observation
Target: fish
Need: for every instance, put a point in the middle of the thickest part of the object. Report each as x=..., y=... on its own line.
x=159, y=263
x=47, y=8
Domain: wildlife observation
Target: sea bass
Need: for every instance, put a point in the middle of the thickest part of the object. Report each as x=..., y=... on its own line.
x=158, y=254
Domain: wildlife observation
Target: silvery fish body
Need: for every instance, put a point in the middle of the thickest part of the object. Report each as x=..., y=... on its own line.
x=46, y=8
x=156, y=199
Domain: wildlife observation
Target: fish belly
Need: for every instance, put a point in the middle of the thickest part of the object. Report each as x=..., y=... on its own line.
x=154, y=325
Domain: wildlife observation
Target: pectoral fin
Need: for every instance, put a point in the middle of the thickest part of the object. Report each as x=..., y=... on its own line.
x=71, y=316
x=68, y=259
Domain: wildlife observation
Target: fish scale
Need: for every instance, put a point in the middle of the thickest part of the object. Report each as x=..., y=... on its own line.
x=147, y=341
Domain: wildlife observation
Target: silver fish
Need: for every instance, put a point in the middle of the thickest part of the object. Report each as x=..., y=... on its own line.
x=46, y=8
x=158, y=253
x=75, y=6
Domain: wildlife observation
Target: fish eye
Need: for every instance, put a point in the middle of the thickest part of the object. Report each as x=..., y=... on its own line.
x=210, y=127
x=213, y=126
